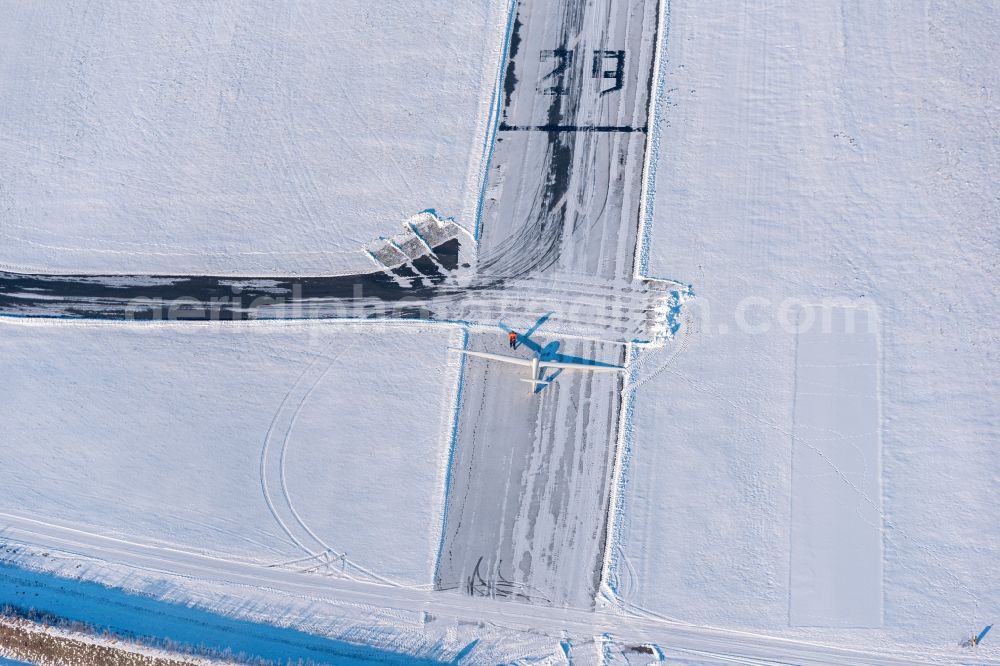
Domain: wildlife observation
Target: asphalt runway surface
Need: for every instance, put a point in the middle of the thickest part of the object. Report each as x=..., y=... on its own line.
x=527, y=509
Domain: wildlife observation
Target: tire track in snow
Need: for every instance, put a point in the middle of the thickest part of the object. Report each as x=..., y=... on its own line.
x=291, y=522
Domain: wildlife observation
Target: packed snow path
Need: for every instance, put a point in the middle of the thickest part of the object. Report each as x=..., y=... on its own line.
x=528, y=502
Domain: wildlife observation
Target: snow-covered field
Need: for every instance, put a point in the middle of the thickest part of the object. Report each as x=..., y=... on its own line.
x=816, y=151
x=787, y=472
x=835, y=545
x=236, y=137
x=259, y=443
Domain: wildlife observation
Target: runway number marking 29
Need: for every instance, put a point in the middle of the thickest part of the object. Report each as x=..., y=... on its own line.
x=605, y=65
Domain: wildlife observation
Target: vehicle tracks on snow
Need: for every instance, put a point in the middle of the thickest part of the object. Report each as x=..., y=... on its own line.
x=319, y=555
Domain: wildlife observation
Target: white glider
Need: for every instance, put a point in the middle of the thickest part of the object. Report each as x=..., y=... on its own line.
x=544, y=358
x=539, y=366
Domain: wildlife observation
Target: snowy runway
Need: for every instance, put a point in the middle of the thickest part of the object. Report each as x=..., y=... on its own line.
x=528, y=503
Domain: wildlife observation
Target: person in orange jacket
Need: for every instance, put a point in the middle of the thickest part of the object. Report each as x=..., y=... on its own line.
x=512, y=339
